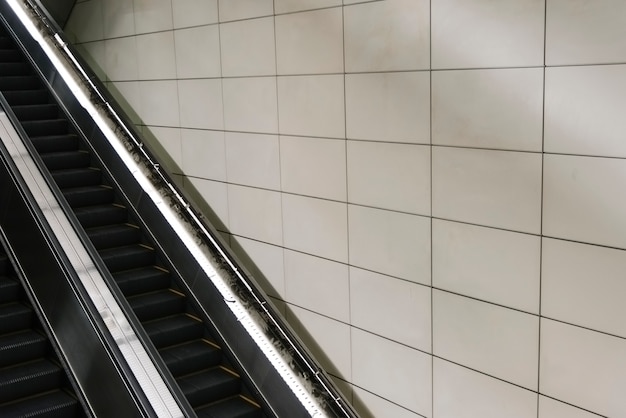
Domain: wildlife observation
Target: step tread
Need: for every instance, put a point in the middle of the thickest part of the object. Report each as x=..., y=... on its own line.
x=144, y=279
x=21, y=346
x=113, y=235
x=56, y=403
x=234, y=407
x=184, y=358
x=174, y=329
x=209, y=385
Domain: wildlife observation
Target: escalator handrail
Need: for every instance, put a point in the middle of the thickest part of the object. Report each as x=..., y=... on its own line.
x=317, y=391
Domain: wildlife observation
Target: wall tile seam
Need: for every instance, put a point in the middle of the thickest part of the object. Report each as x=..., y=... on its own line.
x=382, y=397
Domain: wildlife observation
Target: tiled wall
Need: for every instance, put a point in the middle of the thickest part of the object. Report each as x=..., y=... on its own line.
x=433, y=191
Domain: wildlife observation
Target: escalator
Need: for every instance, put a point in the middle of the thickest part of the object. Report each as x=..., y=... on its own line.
x=209, y=379
x=33, y=383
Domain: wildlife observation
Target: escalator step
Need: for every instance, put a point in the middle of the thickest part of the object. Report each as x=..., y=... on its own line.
x=88, y=195
x=6, y=42
x=132, y=282
x=235, y=407
x=185, y=358
x=21, y=346
x=90, y=216
x=114, y=235
x=56, y=404
x=128, y=257
x=14, y=68
x=4, y=263
x=77, y=177
x=26, y=97
x=46, y=111
x=19, y=82
x=9, y=289
x=52, y=143
x=27, y=379
x=45, y=127
x=10, y=55
x=14, y=317
x=209, y=385
x=66, y=159
x=157, y=304
x=174, y=330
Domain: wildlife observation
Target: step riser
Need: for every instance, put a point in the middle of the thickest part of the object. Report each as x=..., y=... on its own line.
x=88, y=198
x=128, y=259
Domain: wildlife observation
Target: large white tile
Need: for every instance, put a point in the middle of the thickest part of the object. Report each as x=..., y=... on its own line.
x=190, y=63
x=387, y=36
x=585, y=32
x=405, y=320
x=493, y=188
x=584, y=199
x=211, y=198
x=389, y=176
x=166, y=142
x=491, y=339
x=201, y=103
x=265, y=262
x=388, y=107
x=369, y=405
x=250, y=104
x=253, y=160
x=255, y=213
x=392, y=243
x=127, y=94
x=500, y=108
x=463, y=393
x=310, y=42
x=583, y=110
x=481, y=33
x=550, y=408
x=583, y=368
x=156, y=58
x=194, y=12
x=318, y=285
x=204, y=154
x=248, y=47
x=583, y=285
x=311, y=105
x=118, y=18
x=244, y=9
x=121, y=59
x=393, y=371
x=153, y=15
x=85, y=22
x=316, y=226
x=159, y=102
x=328, y=340
x=313, y=166
x=288, y=6
x=497, y=266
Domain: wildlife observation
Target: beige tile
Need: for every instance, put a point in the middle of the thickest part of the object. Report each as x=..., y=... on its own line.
x=389, y=176
x=490, y=339
x=369, y=405
x=583, y=368
x=211, y=197
x=391, y=243
x=399, y=374
x=253, y=160
x=492, y=188
x=464, y=393
x=127, y=94
x=201, y=103
x=583, y=285
x=204, y=154
x=167, y=143
x=248, y=47
x=501, y=109
x=250, y=104
x=118, y=18
x=159, y=103
x=194, y=12
x=255, y=214
x=244, y=9
x=481, y=33
x=585, y=32
x=313, y=167
x=94, y=54
x=406, y=320
x=310, y=42
x=583, y=199
x=583, y=110
x=497, y=266
x=190, y=63
x=550, y=408
x=311, y=106
x=388, y=107
x=156, y=58
x=316, y=226
x=401, y=30
x=121, y=59
x=318, y=285
x=265, y=262
x=289, y=6
x=153, y=15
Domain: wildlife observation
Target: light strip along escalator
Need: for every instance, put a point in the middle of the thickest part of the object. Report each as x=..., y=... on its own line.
x=33, y=383
x=210, y=382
